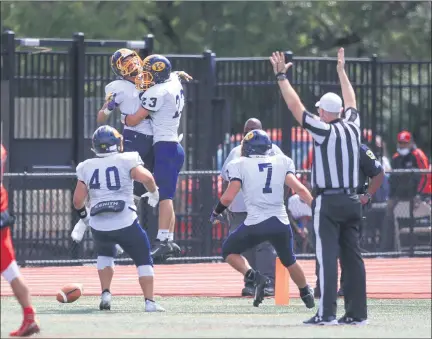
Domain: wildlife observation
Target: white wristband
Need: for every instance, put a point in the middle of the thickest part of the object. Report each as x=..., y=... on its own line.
x=123, y=119
x=107, y=112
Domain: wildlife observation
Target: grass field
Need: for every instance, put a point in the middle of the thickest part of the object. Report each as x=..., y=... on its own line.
x=190, y=317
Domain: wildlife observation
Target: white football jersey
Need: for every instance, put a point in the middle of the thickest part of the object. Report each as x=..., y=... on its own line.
x=165, y=103
x=107, y=179
x=238, y=205
x=130, y=104
x=263, y=180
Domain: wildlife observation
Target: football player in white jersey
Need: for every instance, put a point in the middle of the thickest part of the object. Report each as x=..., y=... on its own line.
x=107, y=180
x=123, y=94
x=261, y=175
x=163, y=100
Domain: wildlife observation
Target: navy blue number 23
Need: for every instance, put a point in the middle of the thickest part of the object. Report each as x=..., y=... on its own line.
x=268, y=165
x=109, y=172
x=178, y=112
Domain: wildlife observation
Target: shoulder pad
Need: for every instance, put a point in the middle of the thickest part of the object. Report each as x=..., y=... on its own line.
x=155, y=91
x=114, y=85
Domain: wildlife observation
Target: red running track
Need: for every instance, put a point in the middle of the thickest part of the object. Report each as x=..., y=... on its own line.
x=402, y=278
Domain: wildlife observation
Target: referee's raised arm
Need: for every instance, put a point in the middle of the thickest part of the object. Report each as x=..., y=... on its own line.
x=289, y=94
x=318, y=128
x=348, y=94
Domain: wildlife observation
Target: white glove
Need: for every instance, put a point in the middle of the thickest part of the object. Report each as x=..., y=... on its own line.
x=153, y=197
x=79, y=231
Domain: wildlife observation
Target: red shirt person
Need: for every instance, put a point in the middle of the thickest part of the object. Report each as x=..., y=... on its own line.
x=408, y=156
x=9, y=268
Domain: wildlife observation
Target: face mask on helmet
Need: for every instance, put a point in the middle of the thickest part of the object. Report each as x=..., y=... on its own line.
x=144, y=81
x=126, y=62
x=403, y=151
x=156, y=69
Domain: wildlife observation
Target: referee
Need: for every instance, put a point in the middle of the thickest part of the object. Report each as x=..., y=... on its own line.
x=336, y=208
x=371, y=168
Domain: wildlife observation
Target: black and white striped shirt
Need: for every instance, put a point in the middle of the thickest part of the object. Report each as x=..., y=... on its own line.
x=336, y=150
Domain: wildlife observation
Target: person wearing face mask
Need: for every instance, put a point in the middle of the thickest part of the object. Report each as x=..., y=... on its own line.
x=403, y=187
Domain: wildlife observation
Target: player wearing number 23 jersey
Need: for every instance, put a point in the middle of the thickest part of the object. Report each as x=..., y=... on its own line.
x=165, y=102
x=162, y=100
x=261, y=175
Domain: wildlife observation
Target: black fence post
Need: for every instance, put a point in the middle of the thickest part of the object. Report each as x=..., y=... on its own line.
x=287, y=118
x=78, y=73
x=78, y=83
x=205, y=118
x=149, y=42
x=148, y=46
x=8, y=94
x=204, y=144
x=374, y=126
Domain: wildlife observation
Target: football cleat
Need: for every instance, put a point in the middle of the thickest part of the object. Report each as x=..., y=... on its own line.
x=352, y=321
x=28, y=328
x=321, y=321
x=260, y=282
x=307, y=295
x=164, y=249
x=105, y=303
x=151, y=306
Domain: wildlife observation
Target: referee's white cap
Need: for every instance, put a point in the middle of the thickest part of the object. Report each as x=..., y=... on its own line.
x=330, y=102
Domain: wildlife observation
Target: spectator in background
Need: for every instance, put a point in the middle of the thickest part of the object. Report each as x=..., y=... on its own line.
x=381, y=153
x=404, y=188
x=379, y=148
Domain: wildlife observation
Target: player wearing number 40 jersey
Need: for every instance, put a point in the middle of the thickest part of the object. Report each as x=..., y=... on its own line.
x=162, y=100
x=107, y=180
x=261, y=175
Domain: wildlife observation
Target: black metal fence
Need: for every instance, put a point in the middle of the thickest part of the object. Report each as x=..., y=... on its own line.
x=399, y=223
x=52, y=89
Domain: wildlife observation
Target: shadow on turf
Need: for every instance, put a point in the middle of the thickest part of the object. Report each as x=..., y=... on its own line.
x=71, y=311
x=84, y=311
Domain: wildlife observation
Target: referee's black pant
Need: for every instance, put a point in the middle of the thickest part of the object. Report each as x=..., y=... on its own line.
x=337, y=219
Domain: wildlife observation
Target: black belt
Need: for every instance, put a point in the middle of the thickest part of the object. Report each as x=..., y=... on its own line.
x=334, y=191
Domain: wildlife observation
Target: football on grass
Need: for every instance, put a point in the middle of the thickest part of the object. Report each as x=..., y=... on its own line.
x=69, y=293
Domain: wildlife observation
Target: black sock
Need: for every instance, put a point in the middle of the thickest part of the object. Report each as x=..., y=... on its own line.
x=250, y=274
x=304, y=290
x=106, y=290
x=147, y=299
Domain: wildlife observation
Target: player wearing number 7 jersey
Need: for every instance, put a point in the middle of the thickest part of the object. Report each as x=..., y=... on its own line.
x=107, y=180
x=261, y=175
x=162, y=100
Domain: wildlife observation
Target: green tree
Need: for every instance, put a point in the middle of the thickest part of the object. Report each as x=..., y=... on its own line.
x=395, y=30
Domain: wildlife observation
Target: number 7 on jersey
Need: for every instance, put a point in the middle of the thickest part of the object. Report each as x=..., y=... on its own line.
x=262, y=167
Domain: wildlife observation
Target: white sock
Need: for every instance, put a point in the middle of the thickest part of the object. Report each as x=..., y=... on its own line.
x=171, y=236
x=163, y=234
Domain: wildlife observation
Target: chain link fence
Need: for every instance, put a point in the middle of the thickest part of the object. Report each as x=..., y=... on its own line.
x=397, y=222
